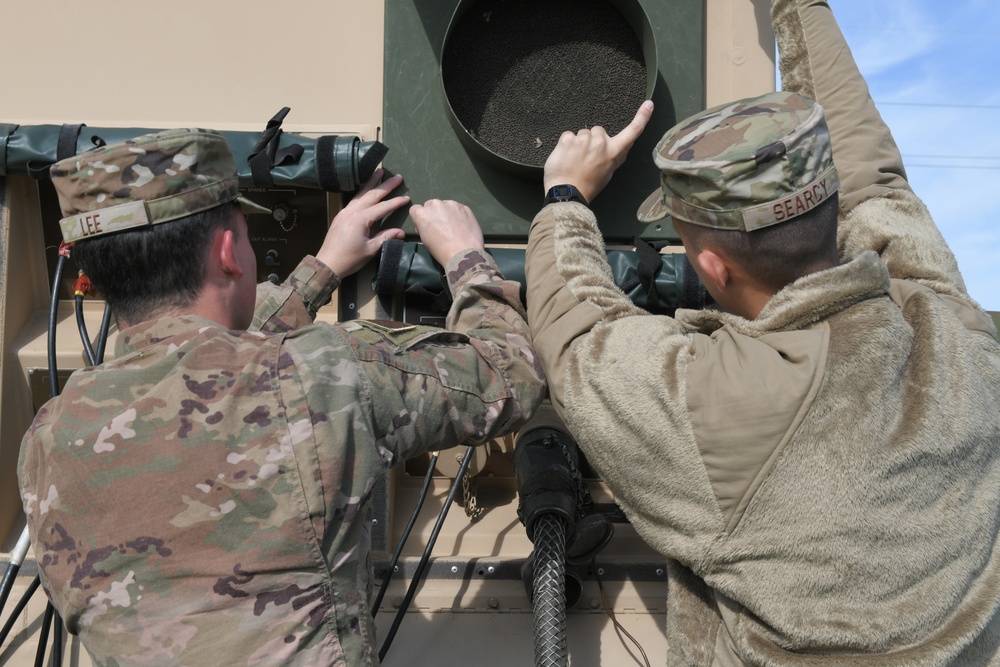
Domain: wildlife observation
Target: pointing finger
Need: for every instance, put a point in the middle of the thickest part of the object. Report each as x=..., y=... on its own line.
x=624, y=139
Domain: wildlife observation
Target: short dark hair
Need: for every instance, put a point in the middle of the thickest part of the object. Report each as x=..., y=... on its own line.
x=141, y=271
x=780, y=254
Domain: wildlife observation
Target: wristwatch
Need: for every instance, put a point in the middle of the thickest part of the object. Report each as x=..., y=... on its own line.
x=564, y=193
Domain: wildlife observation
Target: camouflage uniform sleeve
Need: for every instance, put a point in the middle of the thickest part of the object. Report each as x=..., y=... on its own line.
x=879, y=211
x=294, y=303
x=436, y=388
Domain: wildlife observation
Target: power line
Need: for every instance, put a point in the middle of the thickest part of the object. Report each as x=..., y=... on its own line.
x=952, y=166
x=940, y=165
x=933, y=104
x=951, y=157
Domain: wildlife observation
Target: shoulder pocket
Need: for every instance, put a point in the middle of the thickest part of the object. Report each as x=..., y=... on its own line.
x=453, y=358
x=401, y=336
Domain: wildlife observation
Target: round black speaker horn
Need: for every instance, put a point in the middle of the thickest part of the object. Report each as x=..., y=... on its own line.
x=518, y=73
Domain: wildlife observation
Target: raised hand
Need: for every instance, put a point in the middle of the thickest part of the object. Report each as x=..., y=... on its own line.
x=349, y=243
x=588, y=158
x=446, y=228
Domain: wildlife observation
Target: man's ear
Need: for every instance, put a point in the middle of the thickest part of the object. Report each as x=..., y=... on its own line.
x=224, y=249
x=713, y=269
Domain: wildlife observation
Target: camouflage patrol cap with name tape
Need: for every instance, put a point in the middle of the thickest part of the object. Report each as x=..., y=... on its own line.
x=148, y=180
x=744, y=165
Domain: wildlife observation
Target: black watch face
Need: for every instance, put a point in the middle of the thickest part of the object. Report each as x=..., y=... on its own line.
x=564, y=192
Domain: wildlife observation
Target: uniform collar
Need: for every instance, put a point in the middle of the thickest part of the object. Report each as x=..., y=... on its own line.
x=804, y=302
x=155, y=331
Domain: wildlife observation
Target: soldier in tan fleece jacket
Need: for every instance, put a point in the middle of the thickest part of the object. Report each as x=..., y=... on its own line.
x=819, y=460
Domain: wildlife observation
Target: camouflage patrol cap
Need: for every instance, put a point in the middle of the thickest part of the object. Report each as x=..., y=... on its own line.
x=744, y=165
x=148, y=180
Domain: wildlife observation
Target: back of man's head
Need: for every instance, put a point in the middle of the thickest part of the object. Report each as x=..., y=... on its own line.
x=117, y=199
x=755, y=179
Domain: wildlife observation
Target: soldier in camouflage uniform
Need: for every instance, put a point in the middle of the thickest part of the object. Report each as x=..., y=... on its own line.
x=818, y=459
x=203, y=498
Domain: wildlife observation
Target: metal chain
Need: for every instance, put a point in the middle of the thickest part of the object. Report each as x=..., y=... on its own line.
x=287, y=213
x=472, y=508
x=581, y=489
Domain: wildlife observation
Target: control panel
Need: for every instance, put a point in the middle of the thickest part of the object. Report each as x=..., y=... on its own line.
x=295, y=228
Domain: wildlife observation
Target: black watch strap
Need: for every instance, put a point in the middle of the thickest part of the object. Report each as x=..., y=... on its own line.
x=564, y=192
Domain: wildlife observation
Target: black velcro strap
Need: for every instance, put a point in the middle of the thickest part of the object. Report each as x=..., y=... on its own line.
x=693, y=292
x=384, y=282
x=371, y=159
x=6, y=129
x=261, y=157
x=649, y=266
x=66, y=145
x=326, y=168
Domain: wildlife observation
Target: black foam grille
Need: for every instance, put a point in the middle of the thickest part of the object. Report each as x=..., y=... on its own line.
x=518, y=73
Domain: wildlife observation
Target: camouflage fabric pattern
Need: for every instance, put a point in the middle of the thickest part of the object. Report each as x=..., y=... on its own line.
x=204, y=498
x=152, y=179
x=295, y=302
x=744, y=165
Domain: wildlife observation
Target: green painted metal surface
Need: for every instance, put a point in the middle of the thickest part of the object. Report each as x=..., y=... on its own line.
x=425, y=149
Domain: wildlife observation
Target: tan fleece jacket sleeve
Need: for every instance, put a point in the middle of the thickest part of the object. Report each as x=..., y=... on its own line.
x=879, y=211
x=616, y=376
x=570, y=286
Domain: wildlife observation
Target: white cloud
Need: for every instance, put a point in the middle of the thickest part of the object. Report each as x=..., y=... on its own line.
x=881, y=36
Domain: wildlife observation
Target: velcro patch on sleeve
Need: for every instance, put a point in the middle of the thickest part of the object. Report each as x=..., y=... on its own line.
x=400, y=334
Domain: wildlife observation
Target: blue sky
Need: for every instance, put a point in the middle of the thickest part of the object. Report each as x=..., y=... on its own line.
x=934, y=71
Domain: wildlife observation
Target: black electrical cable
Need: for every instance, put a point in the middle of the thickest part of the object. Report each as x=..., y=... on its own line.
x=50, y=611
x=15, y=564
x=102, y=335
x=16, y=559
x=53, y=320
x=43, y=638
x=13, y=568
x=57, y=640
x=406, y=533
x=411, y=591
x=18, y=608
x=93, y=358
x=8, y=583
x=81, y=324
